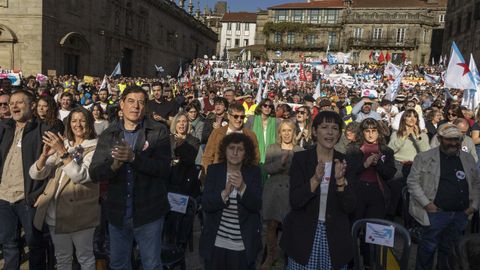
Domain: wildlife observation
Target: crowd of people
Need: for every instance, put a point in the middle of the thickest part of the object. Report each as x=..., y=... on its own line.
x=262, y=148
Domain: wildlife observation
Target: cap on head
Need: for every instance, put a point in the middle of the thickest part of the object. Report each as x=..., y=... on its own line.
x=449, y=131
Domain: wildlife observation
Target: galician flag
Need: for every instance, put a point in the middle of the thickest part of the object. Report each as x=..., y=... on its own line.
x=458, y=73
x=392, y=90
x=471, y=97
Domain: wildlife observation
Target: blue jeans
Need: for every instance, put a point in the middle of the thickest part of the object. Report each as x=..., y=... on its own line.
x=12, y=216
x=148, y=238
x=444, y=231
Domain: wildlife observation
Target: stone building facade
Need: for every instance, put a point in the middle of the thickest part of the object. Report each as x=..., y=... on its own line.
x=362, y=27
x=89, y=37
x=462, y=25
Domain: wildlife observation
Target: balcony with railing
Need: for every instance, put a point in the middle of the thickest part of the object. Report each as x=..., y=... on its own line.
x=381, y=43
x=395, y=18
x=301, y=46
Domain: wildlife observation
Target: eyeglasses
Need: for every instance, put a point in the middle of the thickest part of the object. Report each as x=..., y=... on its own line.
x=4, y=104
x=267, y=106
x=237, y=116
x=301, y=112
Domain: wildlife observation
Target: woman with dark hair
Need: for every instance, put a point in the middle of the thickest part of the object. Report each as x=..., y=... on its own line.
x=232, y=199
x=303, y=118
x=275, y=191
x=264, y=125
x=100, y=123
x=47, y=112
x=316, y=232
x=406, y=143
x=69, y=205
x=452, y=112
x=197, y=121
x=370, y=165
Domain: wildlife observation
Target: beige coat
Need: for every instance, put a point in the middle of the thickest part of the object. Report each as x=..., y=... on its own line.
x=424, y=178
x=70, y=190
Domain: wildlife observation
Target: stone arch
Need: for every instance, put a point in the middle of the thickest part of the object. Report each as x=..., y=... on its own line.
x=8, y=39
x=75, y=52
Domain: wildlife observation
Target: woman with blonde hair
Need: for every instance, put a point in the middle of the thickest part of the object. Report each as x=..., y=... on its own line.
x=275, y=192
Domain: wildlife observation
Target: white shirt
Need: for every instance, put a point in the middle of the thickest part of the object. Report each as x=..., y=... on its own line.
x=324, y=190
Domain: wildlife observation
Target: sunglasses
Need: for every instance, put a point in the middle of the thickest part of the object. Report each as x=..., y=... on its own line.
x=267, y=106
x=4, y=104
x=301, y=112
x=452, y=114
x=236, y=116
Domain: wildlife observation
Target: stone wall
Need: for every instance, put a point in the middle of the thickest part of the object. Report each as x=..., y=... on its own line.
x=90, y=37
x=23, y=20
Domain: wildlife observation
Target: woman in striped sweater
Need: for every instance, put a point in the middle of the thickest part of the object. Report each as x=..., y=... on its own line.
x=231, y=201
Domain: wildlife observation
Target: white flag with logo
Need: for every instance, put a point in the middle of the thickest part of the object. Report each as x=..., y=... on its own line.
x=392, y=90
x=458, y=73
x=392, y=70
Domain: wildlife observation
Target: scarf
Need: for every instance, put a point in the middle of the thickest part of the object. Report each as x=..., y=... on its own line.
x=262, y=142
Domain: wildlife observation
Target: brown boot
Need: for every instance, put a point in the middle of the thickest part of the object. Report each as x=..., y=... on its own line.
x=271, y=243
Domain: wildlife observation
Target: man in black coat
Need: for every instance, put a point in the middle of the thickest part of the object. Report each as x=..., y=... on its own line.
x=133, y=155
x=20, y=146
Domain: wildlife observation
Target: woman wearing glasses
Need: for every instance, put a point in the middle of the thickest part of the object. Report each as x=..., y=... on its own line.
x=264, y=125
x=452, y=112
x=303, y=127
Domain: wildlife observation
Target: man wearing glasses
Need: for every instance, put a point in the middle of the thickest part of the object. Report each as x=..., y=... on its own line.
x=363, y=109
x=236, y=117
x=4, y=109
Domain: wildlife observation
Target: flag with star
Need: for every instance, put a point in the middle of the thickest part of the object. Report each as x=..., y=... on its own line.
x=458, y=74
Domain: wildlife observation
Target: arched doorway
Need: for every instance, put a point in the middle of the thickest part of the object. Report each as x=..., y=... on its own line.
x=75, y=54
x=8, y=39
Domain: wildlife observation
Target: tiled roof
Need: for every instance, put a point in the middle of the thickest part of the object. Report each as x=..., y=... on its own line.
x=313, y=4
x=398, y=4
x=240, y=17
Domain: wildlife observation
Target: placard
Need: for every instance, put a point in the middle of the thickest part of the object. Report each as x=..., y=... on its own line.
x=178, y=202
x=380, y=235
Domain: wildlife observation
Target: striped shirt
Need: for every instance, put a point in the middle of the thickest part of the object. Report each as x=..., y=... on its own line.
x=228, y=234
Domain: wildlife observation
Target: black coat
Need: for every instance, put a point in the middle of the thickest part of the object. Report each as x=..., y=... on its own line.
x=151, y=168
x=184, y=176
x=249, y=206
x=431, y=129
x=32, y=147
x=385, y=167
x=300, y=224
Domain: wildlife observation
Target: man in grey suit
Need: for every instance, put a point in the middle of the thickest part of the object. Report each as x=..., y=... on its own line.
x=444, y=188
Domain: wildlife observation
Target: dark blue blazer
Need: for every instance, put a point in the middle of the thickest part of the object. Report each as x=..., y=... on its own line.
x=300, y=224
x=249, y=206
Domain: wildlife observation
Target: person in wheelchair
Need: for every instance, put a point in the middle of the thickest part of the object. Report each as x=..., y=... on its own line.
x=231, y=200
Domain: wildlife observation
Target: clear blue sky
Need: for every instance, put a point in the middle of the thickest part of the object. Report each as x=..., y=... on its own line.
x=243, y=5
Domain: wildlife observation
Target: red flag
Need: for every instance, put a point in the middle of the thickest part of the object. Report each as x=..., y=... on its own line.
x=302, y=74
x=388, y=57
x=371, y=54
x=381, y=58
